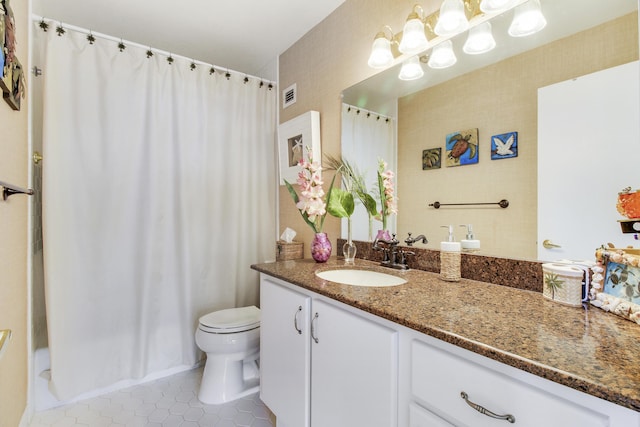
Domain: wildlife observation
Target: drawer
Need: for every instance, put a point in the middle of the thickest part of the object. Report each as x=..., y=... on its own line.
x=438, y=378
x=420, y=417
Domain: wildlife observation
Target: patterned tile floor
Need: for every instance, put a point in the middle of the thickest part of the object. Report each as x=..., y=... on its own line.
x=167, y=402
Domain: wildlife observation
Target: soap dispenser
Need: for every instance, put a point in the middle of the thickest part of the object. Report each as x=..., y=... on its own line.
x=450, y=257
x=470, y=244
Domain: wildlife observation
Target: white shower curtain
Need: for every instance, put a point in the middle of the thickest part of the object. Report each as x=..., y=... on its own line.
x=158, y=195
x=367, y=137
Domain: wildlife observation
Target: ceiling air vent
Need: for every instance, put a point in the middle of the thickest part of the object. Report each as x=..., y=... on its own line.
x=289, y=96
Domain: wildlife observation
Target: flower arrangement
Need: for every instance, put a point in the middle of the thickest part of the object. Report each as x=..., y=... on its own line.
x=386, y=193
x=311, y=203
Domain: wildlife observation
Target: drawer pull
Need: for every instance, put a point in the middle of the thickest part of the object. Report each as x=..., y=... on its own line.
x=295, y=320
x=485, y=411
x=313, y=331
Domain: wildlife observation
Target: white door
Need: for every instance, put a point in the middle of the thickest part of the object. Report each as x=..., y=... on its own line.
x=284, y=353
x=354, y=370
x=588, y=150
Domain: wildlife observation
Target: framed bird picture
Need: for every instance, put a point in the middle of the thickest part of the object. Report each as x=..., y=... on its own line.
x=462, y=148
x=504, y=146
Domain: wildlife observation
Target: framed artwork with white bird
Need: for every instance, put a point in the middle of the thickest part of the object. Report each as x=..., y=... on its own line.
x=504, y=146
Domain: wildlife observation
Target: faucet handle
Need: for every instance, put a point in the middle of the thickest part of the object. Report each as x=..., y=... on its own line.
x=409, y=241
x=403, y=256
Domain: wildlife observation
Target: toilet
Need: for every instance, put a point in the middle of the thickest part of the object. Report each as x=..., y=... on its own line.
x=231, y=340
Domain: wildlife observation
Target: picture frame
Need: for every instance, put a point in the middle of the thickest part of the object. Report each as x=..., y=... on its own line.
x=12, y=79
x=431, y=158
x=615, y=286
x=462, y=148
x=504, y=146
x=11, y=84
x=295, y=138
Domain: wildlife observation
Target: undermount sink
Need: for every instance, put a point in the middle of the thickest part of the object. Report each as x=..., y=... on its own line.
x=360, y=277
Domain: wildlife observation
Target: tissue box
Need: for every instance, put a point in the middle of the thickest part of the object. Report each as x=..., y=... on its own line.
x=563, y=283
x=286, y=251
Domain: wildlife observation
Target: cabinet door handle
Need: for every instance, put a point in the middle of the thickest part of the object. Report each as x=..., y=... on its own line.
x=313, y=331
x=295, y=320
x=485, y=411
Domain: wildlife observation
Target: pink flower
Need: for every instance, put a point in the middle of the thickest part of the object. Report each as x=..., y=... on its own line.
x=310, y=203
x=386, y=191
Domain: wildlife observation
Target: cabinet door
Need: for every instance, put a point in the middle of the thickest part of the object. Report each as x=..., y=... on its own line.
x=284, y=352
x=354, y=370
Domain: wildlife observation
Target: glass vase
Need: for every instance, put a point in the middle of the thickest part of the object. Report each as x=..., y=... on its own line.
x=349, y=248
x=320, y=247
x=383, y=235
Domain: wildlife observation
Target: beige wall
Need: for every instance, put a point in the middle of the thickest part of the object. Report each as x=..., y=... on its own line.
x=333, y=57
x=328, y=59
x=13, y=243
x=497, y=99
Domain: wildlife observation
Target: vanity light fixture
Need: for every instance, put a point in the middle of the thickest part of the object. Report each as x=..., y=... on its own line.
x=480, y=40
x=496, y=6
x=381, y=55
x=527, y=19
x=411, y=69
x=453, y=19
x=442, y=55
x=414, y=39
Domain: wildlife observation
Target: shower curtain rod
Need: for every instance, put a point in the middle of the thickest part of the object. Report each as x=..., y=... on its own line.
x=38, y=18
x=364, y=110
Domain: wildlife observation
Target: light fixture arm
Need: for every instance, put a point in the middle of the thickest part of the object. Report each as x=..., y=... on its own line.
x=392, y=37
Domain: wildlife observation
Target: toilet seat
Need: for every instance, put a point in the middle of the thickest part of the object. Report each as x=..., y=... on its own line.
x=231, y=320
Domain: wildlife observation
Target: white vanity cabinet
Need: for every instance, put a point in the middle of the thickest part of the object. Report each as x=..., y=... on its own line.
x=324, y=364
x=442, y=373
x=327, y=364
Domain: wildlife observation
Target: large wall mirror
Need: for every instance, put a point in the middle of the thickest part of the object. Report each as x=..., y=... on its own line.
x=498, y=93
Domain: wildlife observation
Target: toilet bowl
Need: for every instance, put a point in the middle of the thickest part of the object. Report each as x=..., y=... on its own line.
x=231, y=340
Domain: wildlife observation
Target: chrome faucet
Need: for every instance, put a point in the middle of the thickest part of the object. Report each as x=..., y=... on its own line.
x=411, y=240
x=392, y=256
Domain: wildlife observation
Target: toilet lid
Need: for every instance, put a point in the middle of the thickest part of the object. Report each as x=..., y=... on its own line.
x=231, y=320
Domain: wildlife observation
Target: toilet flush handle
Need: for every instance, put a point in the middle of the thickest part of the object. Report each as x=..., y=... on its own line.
x=295, y=320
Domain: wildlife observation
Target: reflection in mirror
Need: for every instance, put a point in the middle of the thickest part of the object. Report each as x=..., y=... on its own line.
x=367, y=137
x=496, y=93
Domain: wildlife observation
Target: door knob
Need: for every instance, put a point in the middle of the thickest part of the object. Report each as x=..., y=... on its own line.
x=550, y=245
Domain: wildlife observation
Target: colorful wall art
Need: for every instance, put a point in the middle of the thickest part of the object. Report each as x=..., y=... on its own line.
x=12, y=80
x=462, y=148
x=432, y=158
x=504, y=146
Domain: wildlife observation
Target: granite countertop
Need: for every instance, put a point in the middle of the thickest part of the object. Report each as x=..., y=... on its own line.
x=586, y=349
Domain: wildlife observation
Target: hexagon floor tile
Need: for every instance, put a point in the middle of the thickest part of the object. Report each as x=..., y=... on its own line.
x=167, y=402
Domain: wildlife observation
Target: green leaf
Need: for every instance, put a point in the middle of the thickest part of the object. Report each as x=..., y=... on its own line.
x=293, y=193
x=369, y=204
x=341, y=204
x=296, y=199
x=328, y=198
